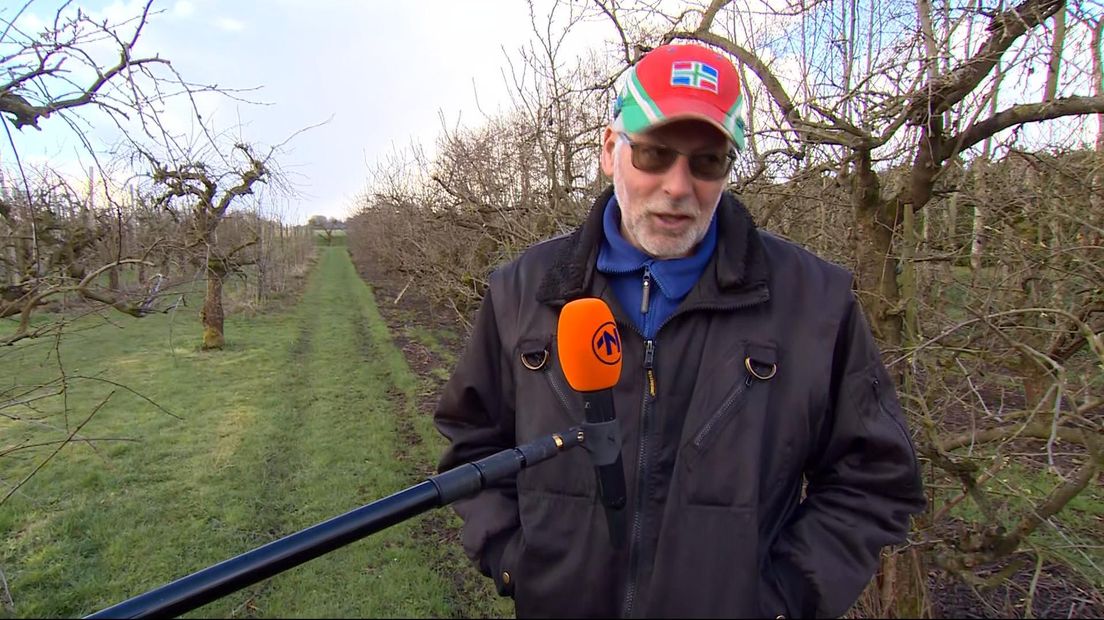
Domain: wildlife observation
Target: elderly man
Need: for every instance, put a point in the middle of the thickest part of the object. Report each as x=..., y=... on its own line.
x=766, y=457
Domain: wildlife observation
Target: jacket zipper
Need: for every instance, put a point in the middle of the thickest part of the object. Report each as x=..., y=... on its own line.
x=642, y=458
x=641, y=477
x=736, y=396
x=646, y=294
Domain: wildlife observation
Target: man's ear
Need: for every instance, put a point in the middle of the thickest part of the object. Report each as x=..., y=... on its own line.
x=609, y=139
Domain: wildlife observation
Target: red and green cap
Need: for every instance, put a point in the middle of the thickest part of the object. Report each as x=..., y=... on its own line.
x=677, y=82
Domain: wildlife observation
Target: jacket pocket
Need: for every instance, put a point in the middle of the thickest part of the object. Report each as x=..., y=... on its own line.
x=507, y=576
x=721, y=457
x=760, y=365
x=564, y=564
x=894, y=413
x=545, y=405
x=706, y=565
x=540, y=370
x=888, y=406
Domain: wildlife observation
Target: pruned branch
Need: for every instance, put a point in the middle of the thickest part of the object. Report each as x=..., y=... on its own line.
x=67, y=441
x=1006, y=433
x=940, y=96
x=617, y=26
x=255, y=173
x=23, y=113
x=839, y=133
x=1019, y=115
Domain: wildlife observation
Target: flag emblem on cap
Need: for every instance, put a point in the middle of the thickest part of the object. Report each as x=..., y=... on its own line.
x=693, y=74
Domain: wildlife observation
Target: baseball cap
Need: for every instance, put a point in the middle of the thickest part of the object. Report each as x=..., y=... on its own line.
x=682, y=81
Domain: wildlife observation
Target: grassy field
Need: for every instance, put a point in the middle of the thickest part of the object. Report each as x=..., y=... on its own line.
x=308, y=413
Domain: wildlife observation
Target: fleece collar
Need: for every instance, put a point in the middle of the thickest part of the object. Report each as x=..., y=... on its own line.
x=674, y=277
x=739, y=262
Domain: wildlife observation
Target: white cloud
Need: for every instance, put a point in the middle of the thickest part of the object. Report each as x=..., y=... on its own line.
x=116, y=12
x=229, y=24
x=183, y=8
x=30, y=25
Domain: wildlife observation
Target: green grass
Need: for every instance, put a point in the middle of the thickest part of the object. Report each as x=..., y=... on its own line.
x=296, y=421
x=1072, y=537
x=337, y=237
x=443, y=345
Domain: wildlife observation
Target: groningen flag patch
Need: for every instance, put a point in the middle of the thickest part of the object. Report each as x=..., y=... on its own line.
x=694, y=74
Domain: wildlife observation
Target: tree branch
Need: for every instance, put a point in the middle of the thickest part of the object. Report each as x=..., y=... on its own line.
x=808, y=132
x=255, y=173
x=1032, y=431
x=711, y=14
x=1018, y=115
x=942, y=94
x=25, y=113
x=617, y=26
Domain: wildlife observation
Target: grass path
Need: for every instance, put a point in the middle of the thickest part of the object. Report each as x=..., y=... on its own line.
x=308, y=413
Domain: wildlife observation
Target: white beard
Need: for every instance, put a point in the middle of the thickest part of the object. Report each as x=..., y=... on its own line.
x=637, y=231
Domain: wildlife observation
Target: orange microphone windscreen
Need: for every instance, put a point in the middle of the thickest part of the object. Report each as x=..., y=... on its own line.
x=589, y=345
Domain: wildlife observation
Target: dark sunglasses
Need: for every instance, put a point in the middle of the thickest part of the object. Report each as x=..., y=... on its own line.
x=657, y=158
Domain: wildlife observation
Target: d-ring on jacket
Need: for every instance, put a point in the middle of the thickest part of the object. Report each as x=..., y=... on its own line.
x=715, y=448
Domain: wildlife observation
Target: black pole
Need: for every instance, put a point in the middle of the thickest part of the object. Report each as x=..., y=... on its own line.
x=204, y=586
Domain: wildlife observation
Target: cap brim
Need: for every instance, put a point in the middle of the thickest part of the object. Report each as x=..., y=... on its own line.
x=687, y=109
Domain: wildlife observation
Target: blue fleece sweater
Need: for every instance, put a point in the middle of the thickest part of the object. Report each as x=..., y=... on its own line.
x=631, y=272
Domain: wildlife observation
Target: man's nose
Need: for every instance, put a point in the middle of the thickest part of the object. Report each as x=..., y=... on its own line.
x=678, y=183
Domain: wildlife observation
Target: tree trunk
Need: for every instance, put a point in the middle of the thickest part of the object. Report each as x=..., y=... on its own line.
x=22, y=253
x=1096, y=199
x=14, y=270
x=820, y=243
x=212, y=315
x=908, y=278
x=876, y=220
x=262, y=262
x=262, y=280
x=1055, y=64
x=952, y=243
x=1036, y=383
x=981, y=167
x=977, y=244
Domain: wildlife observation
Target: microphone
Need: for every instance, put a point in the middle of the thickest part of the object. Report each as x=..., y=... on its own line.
x=589, y=347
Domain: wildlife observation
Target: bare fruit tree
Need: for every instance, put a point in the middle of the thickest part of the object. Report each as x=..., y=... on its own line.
x=327, y=225
x=53, y=84
x=148, y=219
x=206, y=196
x=65, y=238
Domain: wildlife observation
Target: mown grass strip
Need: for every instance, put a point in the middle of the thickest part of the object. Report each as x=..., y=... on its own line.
x=295, y=422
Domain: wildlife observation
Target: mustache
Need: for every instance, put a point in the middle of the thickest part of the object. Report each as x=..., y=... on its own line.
x=681, y=206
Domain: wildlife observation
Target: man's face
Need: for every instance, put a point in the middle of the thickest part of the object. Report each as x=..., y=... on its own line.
x=665, y=214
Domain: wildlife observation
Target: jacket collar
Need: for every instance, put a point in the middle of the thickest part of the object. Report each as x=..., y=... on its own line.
x=738, y=264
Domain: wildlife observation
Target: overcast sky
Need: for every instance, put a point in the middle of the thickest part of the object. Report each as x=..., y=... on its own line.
x=381, y=72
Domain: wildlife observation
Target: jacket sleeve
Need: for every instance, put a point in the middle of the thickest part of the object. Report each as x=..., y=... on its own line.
x=476, y=414
x=863, y=484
